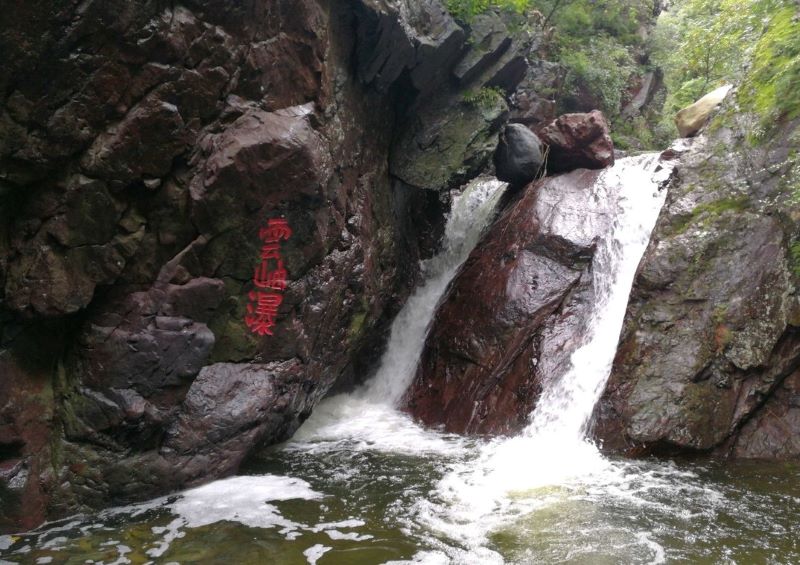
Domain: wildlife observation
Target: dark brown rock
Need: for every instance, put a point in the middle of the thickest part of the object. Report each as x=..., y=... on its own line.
x=142, y=146
x=231, y=407
x=578, y=141
x=533, y=103
x=774, y=432
x=511, y=317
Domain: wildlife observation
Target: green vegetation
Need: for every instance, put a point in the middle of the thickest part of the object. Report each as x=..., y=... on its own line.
x=598, y=42
x=772, y=86
x=600, y=67
x=709, y=211
x=465, y=10
x=794, y=258
x=485, y=98
x=702, y=44
x=698, y=44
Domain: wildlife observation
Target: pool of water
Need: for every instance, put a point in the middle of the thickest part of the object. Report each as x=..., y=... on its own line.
x=362, y=484
x=359, y=500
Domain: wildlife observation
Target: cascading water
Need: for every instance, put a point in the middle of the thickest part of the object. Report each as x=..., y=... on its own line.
x=564, y=408
x=361, y=483
x=368, y=413
x=558, y=423
x=470, y=213
x=552, y=449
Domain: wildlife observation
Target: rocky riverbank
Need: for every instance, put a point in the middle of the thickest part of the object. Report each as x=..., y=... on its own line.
x=143, y=152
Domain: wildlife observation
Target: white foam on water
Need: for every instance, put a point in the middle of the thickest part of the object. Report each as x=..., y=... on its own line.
x=314, y=553
x=243, y=499
x=478, y=496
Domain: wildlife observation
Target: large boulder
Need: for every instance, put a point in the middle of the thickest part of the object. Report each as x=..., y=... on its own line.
x=144, y=150
x=448, y=141
x=518, y=157
x=709, y=353
x=513, y=315
x=691, y=119
x=578, y=141
x=406, y=36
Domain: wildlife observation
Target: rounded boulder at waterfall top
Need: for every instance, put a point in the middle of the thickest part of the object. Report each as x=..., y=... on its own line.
x=519, y=155
x=578, y=141
x=691, y=119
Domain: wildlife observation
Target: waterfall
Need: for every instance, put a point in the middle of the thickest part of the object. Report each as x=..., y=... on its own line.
x=553, y=448
x=564, y=408
x=368, y=415
x=468, y=217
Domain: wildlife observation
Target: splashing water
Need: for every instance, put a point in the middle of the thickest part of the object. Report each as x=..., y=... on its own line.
x=558, y=424
x=564, y=408
x=469, y=215
x=552, y=449
x=361, y=483
x=369, y=412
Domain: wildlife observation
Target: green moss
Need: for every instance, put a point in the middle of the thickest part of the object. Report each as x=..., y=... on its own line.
x=770, y=88
x=710, y=210
x=485, y=98
x=794, y=258
x=233, y=341
x=356, y=328
x=465, y=10
x=357, y=324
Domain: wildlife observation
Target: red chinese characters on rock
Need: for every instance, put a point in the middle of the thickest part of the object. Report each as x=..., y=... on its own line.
x=269, y=279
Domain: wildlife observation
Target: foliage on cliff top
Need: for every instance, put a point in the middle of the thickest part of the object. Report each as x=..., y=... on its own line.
x=772, y=86
x=600, y=43
x=702, y=44
x=465, y=10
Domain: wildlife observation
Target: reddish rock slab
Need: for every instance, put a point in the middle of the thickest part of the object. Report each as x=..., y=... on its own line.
x=578, y=141
x=513, y=315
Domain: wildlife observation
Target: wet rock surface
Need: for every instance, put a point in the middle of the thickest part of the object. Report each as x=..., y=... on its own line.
x=578, y=141
x=513, y=314
x=533, y=103
x=519, y=156
x=708, y=357
x=142, y=148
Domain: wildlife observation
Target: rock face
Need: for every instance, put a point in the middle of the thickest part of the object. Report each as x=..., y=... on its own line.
x=143, y=150
x=512, y=316
x=447, y=142
x=449, y=139
x=518, y=157
x=709, y=356
x=691, y=119
x=533, y=103
x=578, y=141
x=643, y=93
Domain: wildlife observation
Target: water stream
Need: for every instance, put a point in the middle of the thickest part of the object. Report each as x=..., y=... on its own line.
x=361, y=483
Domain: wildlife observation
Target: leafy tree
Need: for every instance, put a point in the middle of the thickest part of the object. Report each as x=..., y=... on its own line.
x=702, y=44
x=465, y=10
